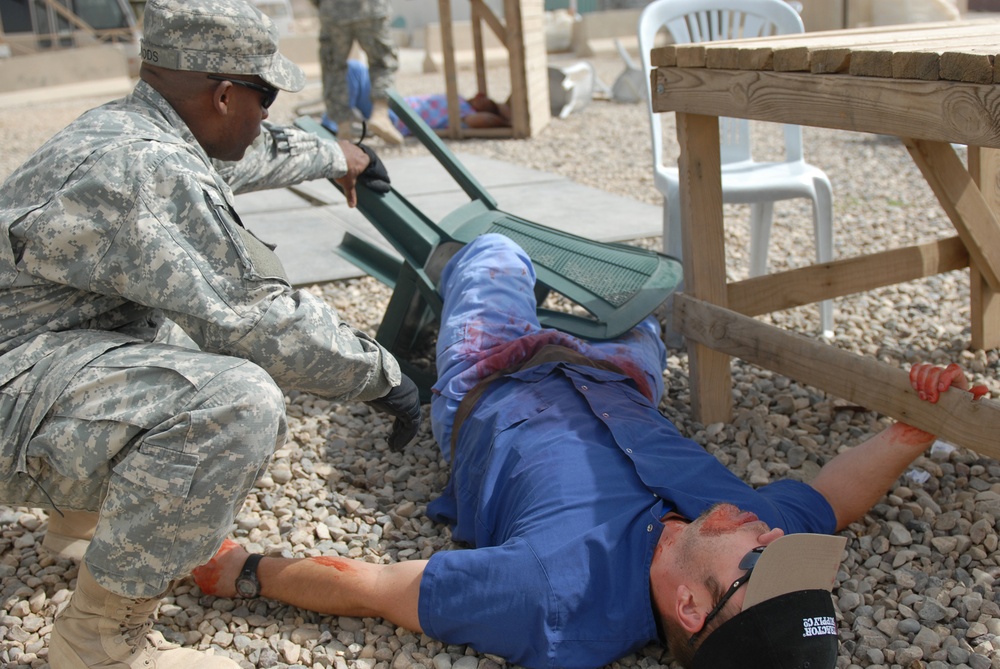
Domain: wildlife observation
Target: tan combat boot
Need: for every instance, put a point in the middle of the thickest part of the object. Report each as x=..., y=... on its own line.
x=69, y=534
x=101, y=629
x=381, y=124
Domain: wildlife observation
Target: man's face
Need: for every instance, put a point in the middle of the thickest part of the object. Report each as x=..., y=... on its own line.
x=710, y=546
x=245, y=114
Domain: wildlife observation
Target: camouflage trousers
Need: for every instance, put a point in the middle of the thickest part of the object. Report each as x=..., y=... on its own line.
x=165, y=442
x=335, y=41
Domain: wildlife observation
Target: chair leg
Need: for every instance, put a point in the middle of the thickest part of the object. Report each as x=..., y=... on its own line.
x=823, y=230
x=672, y=242
x=761, y=214
x=407, y=328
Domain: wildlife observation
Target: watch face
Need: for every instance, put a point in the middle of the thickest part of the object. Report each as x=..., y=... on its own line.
x=245, y=587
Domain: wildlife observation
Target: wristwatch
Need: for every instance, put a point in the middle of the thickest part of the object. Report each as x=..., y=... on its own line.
x=247, y=584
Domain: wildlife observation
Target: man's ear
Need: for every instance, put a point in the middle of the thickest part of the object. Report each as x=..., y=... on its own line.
x=690, y=613
x=222, y=96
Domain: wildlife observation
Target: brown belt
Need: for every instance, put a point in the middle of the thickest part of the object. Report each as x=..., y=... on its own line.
x=548, y=353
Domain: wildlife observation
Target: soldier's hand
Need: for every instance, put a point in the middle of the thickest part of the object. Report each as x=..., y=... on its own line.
x=357, y=162
x=403, y=402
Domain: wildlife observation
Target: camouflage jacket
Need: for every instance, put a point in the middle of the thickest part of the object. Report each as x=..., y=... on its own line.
x=121, y=223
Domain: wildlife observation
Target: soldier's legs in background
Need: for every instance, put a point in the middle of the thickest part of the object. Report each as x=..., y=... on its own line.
x=335, y=41
x=375, y=38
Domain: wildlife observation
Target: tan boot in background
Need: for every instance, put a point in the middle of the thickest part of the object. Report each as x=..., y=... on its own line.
x=69, y=534
x=101, y=629
x=381, y=124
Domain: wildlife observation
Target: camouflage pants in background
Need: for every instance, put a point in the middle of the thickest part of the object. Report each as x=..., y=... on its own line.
x=335, y=41
x=166, y=442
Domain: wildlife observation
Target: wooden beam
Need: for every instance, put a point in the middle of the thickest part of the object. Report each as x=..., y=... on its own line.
x=496, y=25
x=984, y=307
x=934, y=110
x=703, y=250
x=450, y=74
x=863, y=381
x=961, y=199
x=815, y=283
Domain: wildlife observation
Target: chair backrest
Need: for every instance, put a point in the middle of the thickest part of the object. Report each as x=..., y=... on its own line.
x=690, y=21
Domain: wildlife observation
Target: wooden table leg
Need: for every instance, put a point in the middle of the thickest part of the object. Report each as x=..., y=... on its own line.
x=984, y=165
x=703, y=244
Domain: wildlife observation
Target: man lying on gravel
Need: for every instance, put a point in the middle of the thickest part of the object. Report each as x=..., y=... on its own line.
x=595, y=527
x=146, y=337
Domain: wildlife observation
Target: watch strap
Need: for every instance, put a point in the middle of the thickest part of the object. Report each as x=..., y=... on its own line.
x=249, y=572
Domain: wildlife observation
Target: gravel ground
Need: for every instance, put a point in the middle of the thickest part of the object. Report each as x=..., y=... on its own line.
x=917, y=588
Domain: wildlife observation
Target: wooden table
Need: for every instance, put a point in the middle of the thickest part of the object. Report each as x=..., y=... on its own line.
x=930, y=84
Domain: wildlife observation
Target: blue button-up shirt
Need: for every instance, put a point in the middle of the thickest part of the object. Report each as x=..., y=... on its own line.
x=561, y=476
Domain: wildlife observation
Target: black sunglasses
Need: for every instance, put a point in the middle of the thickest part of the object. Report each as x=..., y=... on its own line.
x=747, y=564
x=270, y=93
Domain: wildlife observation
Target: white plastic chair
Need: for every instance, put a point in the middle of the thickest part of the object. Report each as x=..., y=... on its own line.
x=744, y=180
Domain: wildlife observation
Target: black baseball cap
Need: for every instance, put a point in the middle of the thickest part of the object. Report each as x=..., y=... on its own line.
x=788, y=619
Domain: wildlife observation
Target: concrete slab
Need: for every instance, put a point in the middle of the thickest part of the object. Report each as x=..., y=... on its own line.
x=308, y=228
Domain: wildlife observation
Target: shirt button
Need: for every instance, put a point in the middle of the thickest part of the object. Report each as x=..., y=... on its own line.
x=649, y=528
x=628, y=450
x=584, y=388
x=605, y=414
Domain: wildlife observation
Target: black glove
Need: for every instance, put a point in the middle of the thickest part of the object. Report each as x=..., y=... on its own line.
x=375, y=176
x=403, y=402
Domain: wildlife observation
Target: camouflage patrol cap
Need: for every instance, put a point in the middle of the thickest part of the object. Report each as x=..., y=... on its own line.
x=216, y=36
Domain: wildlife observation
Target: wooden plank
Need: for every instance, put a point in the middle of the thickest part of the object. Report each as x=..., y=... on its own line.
x=448, y=53
x=665, y=56
x=726, y=59
x=792, y=59
x=870, y=63
x=969, y=212
x=703, y=250
x=874, y=385
x=691, y=55
x=815, y=283
x=973, y=67
x=759, y=58
x=933, y=110
x=830, y=60
x=984, y=166
x=520, y=122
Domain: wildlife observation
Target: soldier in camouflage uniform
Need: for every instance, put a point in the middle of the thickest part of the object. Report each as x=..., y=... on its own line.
x=367, y=21
x=119, y=241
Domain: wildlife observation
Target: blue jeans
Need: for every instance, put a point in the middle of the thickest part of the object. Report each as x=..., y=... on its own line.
x=489, y=321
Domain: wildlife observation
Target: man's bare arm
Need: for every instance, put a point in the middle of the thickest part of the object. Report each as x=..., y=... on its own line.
x=857, y=478
x=327, y=584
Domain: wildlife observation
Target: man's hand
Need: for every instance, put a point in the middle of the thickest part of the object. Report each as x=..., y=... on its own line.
x=362, y=166
x=403, y=402
x=857, y=478
x=930, y=381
